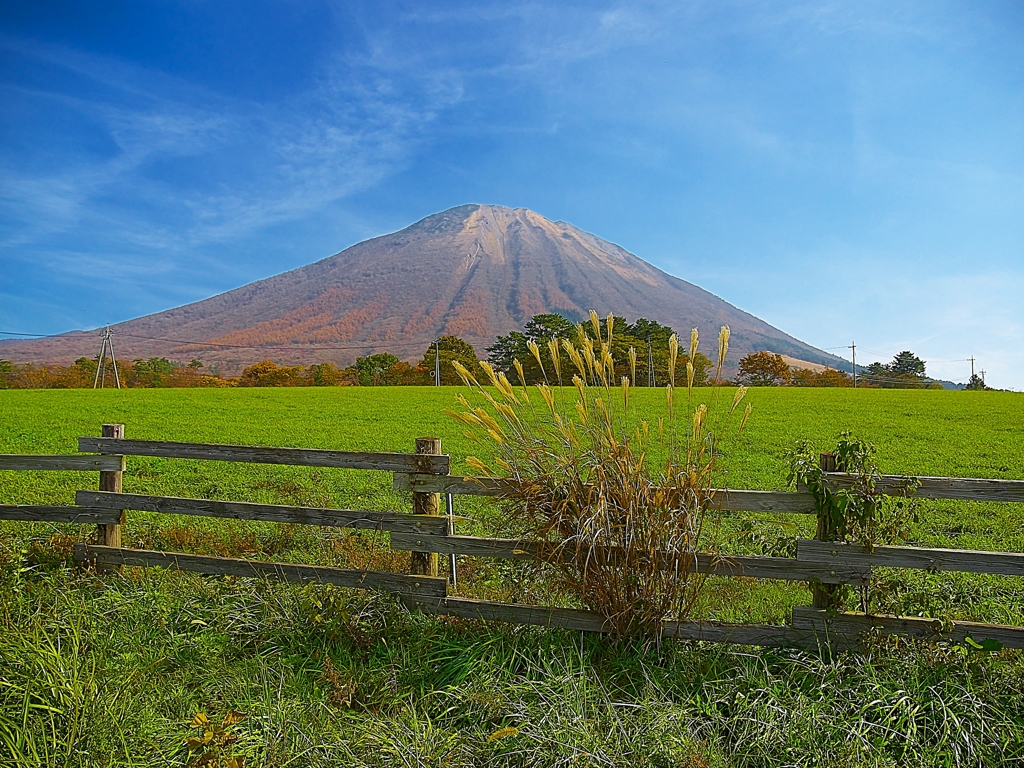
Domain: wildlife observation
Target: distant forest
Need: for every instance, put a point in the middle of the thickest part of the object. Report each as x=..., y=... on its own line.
x=640, y=351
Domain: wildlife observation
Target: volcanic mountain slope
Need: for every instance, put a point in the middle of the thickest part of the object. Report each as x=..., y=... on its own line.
x=475, y=271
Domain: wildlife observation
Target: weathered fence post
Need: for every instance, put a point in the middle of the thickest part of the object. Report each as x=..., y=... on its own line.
x=109, y=535
x=826, y=597
x=425, y=563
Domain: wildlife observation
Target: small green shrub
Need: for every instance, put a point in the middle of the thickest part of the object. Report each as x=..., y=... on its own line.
x=861, y=513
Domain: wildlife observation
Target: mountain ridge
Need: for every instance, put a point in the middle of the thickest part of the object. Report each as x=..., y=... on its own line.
x=474, y=271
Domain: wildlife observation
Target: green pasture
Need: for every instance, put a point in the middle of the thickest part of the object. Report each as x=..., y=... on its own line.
x=109, y=671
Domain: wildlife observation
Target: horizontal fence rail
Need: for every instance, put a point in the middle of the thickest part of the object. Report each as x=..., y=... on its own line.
x=854, y=625
x=963, y=560
x=588, y=621
x=62, y=462
x=34, y=513
x=427, y=586
x=723, y=499
x=966, y=489
x=304, y=457
x=783, y=568
x=277, y=513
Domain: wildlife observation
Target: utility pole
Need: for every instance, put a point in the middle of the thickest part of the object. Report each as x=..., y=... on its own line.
x=437, y=362
x=982, y=378
x=853, y=346
x=972, y=366
x=101, y=368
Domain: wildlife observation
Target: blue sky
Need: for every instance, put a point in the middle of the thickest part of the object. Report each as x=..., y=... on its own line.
x=846, y=171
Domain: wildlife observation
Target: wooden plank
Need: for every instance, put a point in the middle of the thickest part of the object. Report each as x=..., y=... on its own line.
x=971, y=489
x=61, y=462
x=389, y=462
x=730, y=500
x=784, y=568
x=456, y=484
x=424, y=586
x=856, y=624
x=723, y=499
x=742, y=634
x=562, y=618
x=238, y=510
x=52, y=514
x=962, y=560
x=588, y=621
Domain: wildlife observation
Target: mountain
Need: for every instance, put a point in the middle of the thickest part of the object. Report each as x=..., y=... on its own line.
x=475, y=271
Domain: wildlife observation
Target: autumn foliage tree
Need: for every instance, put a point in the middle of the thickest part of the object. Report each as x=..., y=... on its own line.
x=324, y=375
x=829, y=377
x=764, y=369
x=269, y=374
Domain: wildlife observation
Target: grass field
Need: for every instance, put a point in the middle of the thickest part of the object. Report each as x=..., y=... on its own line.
x=111, y=671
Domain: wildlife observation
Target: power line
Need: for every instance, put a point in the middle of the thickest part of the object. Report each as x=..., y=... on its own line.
x=183, y=342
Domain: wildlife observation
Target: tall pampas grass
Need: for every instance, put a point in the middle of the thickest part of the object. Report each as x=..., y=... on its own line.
x=620, y=528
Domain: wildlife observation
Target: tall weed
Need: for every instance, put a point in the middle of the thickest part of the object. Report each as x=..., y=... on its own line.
x=620, y=527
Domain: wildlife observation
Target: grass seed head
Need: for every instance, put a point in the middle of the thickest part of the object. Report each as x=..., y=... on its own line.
x=489, y=370
x=519, y=372
x=746, y=415
x=740, y=393
x=575, y=357
x=535, y=351
x=505, y=388
x=673, y=355
x=723, y=344
x=556, y=361
x=467, y=378
x=549, y=397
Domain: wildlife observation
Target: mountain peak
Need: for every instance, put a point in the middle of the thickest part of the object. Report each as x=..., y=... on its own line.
x=475, y=271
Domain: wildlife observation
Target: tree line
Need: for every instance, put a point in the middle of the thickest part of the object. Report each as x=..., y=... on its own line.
x=640, y=351
x=647, y=338
x=905, y=371
x=381, y=369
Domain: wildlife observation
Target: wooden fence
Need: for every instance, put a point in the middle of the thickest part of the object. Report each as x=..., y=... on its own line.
x=426, y=533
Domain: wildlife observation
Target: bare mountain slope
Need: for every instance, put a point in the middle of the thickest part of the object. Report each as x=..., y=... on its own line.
x=475, y=271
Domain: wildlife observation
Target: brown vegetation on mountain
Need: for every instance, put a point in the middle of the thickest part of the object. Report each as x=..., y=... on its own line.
x=474, y=271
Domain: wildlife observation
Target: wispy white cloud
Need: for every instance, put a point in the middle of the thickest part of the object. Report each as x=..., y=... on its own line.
x=344, y=134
